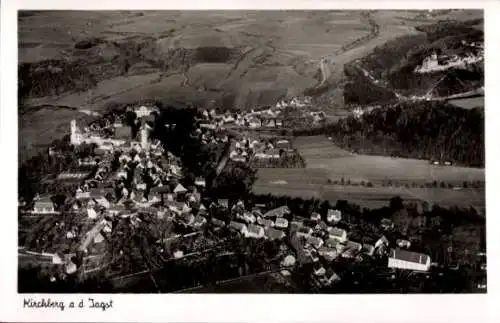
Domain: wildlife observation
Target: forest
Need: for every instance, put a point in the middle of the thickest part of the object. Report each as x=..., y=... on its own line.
x=422, y=130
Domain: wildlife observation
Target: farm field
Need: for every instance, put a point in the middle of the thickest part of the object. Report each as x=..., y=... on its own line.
x=94, y=98
x=327, y=165
x=320, y=153
x=312, y=183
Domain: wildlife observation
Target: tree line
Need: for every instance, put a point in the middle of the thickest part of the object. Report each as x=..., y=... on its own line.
x=422, y=130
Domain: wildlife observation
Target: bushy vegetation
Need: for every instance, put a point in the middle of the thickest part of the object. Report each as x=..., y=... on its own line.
x=87, y=43
x=360, y=91
x=213, y=54
x=422, y=130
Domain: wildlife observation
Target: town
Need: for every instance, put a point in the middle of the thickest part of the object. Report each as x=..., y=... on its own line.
x=121, y=199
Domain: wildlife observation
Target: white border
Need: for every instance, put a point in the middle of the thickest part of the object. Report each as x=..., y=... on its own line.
x=247, y=308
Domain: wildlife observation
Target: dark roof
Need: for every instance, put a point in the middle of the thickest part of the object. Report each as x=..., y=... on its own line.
x=44, y=199
x=218, y=222
x=160, y=189
x=337, y=232
x=236, y=225
x=409, y=256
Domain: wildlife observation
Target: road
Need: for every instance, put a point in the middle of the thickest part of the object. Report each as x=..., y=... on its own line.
x=330, y=59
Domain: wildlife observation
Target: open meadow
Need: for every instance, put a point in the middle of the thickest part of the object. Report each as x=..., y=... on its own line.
x=328, y=165
x=320, y=153
x=313, y=183
x=468, y=103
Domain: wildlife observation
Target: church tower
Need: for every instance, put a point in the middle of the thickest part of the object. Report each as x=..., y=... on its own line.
x=144, y=134
x=75, y=137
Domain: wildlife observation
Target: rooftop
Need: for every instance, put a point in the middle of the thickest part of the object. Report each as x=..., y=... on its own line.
x=409, y=256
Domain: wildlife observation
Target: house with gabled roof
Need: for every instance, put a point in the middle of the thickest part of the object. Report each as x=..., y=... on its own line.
x=200, y=181
x=217, y=222
x=277, y=212
x=328, y=253
x=274, y=234
x=319, y=270
x=100, y=193
x=351, y=249
x=223, y=203
x=178, y=207
x=316, y=242
x=44, y=205
x=265, y=222
x=186, y=218
x=368, y=249
x=403, y=243
x=304, y=232
x=81, y=194
x=199, y=221
x=330, y=277
x=296, y=224
x=281, y=223
x=320, y=227
x=337, y=234
x=179, y=189
x=381, y=245
x=333, y=216
x=238, y=227
x=255, y=231
x=315, y=216
x=246, y=217
x=386, y=224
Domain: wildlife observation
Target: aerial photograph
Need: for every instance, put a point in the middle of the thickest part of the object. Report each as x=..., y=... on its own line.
x=251, y=151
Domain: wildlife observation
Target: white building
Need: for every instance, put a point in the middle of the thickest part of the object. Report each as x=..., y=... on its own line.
x=288, y=261
x=255, y=231
x=143, y=111
x=333, y=216
x=408, y=260
x=44, y=205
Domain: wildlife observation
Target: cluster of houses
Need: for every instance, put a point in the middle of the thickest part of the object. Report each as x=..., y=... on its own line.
x=129, y=177
x=247, y=149
x=266, y=117
x=254, y=224
x=135, y=177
